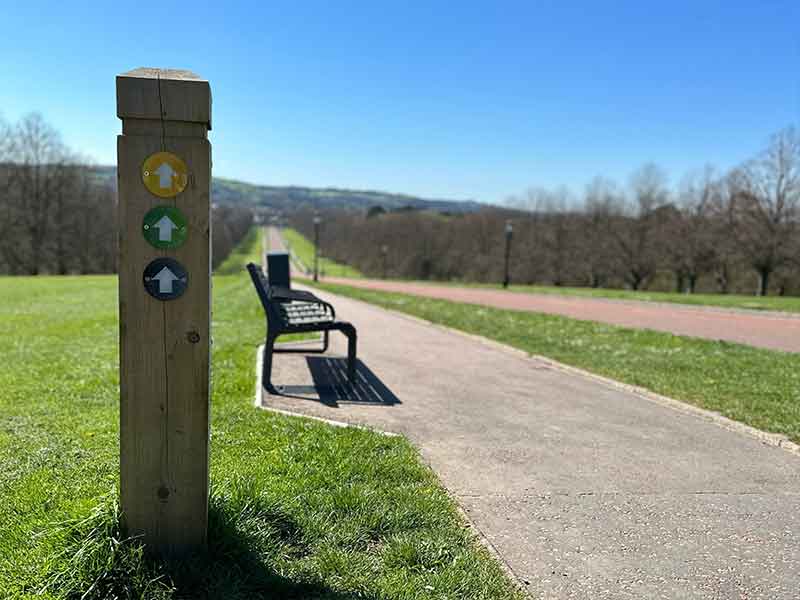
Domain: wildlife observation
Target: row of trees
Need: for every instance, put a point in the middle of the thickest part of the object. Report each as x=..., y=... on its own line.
x=229, y=226
x=54, y=217
x=59, y=215
x=733, y=231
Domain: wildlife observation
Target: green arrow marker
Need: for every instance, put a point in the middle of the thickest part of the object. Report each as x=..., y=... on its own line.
x=164, y=227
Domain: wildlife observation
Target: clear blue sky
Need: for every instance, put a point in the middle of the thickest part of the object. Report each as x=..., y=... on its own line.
x=447, y=99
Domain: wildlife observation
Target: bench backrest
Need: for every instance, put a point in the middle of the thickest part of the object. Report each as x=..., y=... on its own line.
x=300, y=308
x=278, y=269
x=260, y=283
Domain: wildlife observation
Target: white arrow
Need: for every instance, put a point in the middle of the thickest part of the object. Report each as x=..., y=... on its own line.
x=165, y=173
x=165, y=227
x=165, y=278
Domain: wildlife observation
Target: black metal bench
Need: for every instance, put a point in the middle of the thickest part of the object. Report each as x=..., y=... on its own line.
x=295, y=311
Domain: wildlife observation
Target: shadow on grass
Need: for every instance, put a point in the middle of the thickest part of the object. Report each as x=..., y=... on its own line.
x=250, y=540
x=238, y=561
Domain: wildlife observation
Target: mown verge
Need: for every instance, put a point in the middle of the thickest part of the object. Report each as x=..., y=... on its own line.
x=249, y=250
x=765, y=303
x=299, y=509
x=758, y=387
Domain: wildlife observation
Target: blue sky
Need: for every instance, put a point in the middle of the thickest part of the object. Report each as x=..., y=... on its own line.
x=446, y=99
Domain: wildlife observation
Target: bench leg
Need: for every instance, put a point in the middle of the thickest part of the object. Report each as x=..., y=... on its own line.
x=352, y=340
x=266, y=368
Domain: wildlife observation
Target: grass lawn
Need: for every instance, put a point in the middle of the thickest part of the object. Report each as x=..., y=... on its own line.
x=775, y=303
x=299, y=509
x=751, y=385
x=304, y=250
x=780, y=303
x=250, y=249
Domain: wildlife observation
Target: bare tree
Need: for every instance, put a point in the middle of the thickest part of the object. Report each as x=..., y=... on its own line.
x=95, y=227
x=58, y=214
x=712, y=224
x=601, y=201
x=7, y=212
x=531, y=245
x=71, y=189
x=635, y=231
x=39, y=157
x=722, y=222
x=766, y=196
x=229, y=225
x=557, y=236
x=690, y=242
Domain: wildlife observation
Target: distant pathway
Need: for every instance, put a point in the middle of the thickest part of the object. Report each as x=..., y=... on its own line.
x=775, y=331
x=276, y=243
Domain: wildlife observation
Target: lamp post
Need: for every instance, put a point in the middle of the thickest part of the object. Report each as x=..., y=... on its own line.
x=509, y=235
x=317, y=222
x=384, y=254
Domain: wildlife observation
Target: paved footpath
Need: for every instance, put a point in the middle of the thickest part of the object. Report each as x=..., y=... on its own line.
x=586, y=490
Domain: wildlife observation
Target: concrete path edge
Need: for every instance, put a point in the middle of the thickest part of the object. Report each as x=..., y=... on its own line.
x=479, y=535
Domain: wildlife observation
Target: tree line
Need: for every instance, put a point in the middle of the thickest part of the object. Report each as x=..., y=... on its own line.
x=734, y=231
x=59, y=216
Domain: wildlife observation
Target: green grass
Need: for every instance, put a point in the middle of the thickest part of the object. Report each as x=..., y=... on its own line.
x=765, y=303
x=304, y=250
x=299, y=509
x=250, y=249
x=779, y=303
x=751, y=385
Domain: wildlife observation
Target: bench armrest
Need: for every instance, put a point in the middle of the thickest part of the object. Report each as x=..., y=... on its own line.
x=276, y=292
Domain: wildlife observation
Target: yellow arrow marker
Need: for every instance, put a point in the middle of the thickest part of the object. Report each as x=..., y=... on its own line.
x=164, y=174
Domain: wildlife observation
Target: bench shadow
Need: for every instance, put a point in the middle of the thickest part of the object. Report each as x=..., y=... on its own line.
x=332, y=388
x=235, y=562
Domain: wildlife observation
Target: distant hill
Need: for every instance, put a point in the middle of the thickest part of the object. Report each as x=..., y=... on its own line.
x=290, y=198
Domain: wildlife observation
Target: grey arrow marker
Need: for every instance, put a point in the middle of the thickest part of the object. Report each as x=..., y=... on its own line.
x=165, y=278
x=165, y=227
x=165, y=174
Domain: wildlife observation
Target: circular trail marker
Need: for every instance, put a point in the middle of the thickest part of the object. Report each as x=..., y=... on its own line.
x=164, y=227
x=165, y=174
x=165, y=279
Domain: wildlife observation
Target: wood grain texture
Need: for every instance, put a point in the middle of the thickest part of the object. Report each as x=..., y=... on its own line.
x=170, y=128
x=164, y=354
x=167, y=94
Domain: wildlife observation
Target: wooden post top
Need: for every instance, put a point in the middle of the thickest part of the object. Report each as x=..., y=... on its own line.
x=164, y=95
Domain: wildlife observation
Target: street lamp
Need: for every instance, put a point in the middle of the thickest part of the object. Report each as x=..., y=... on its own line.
x=384, y=253
x=317, y=222
x=509, y=235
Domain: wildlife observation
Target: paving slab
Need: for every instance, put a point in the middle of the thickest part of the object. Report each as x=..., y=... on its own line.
x=585, y=490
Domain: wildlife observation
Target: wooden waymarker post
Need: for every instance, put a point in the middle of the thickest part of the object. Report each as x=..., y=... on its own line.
x=164, y=172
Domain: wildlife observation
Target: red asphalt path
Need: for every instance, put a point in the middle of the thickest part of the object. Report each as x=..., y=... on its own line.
x=774, y=331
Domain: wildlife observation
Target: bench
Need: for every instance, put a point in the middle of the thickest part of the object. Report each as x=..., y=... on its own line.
x=295, y=311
